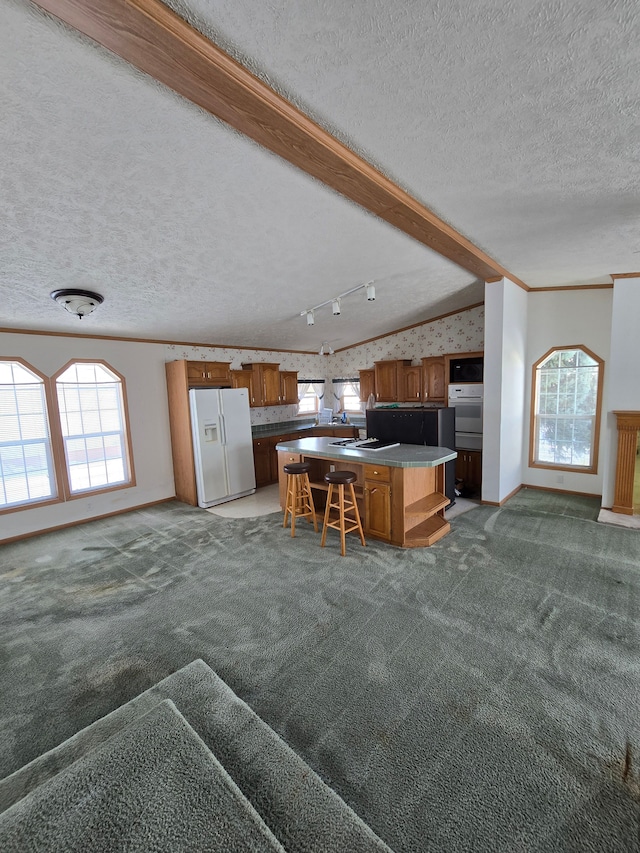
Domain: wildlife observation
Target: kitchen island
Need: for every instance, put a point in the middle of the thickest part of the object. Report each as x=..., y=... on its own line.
x=400, y=489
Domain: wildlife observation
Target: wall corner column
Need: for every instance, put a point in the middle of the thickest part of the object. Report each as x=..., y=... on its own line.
x=504, y=386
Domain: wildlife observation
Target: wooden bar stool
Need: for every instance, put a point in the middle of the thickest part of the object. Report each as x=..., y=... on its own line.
x=299, y=502
x=338, y=480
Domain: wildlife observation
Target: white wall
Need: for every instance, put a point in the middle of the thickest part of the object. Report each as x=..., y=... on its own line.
x=623, y=383
x=564, y=318
x=142, y=366
x=504, y=383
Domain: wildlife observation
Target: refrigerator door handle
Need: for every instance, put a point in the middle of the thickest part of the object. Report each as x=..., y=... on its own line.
x=223, y=429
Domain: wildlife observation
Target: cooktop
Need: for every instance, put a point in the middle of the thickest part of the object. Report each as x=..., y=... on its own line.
x=364, y=443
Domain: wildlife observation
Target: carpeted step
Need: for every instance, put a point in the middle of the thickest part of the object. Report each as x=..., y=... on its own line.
x=302, y=812
x=153, y=786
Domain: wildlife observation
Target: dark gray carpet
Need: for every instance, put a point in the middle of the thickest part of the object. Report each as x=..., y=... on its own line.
x=481, y=695
x=303, y=812
x=154, y=785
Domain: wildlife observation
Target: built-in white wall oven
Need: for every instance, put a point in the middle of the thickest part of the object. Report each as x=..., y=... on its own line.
x=466, y=399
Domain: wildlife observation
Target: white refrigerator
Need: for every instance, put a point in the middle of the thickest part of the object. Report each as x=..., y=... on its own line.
x=222, y=444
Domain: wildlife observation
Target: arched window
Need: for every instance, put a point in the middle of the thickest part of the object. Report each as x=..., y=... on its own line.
x=94, y=428
x=567, y=393
x=27, y=474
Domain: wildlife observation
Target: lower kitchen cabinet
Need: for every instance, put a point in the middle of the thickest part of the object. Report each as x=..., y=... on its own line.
x=469, y=471
x=377, y=502
x=265, y=455
x=263, y=450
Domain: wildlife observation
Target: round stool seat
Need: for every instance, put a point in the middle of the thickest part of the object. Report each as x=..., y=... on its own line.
x=340, y=478
x=299, y=500
x=297, y=468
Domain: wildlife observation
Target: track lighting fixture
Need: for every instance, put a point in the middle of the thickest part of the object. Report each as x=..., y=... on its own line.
x=326, y=349
x=336, y=307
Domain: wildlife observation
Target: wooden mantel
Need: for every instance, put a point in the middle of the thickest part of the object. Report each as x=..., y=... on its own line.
x=628, y=427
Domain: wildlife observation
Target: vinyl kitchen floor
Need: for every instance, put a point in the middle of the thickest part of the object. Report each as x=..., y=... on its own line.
x=264, y=501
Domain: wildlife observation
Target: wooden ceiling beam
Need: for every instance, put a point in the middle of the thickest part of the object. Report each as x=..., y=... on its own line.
x=151, y=37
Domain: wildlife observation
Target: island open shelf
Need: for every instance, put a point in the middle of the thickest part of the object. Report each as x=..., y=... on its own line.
x=399, y=490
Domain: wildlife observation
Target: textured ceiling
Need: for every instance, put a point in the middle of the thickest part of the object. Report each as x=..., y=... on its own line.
x=516, y=122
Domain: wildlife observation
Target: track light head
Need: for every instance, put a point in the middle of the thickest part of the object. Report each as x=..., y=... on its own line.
x=335, y=306
x=310, y=318
x=371, y=292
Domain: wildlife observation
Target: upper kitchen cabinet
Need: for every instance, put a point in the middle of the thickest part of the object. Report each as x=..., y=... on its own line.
x=388, y=379
x=411, y=384
x=367, y=384
x=266, y=384
x=435, y=387
x=244, y=379
x=203, y=374
x=289, y=387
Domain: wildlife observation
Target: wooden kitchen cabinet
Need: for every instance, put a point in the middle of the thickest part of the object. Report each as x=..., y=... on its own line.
x=411, y=384
x=263, y=449
x=265, y=455
x=469, y=470
x=244, y=379
x=387, y=378
x=377, y=502
x=203, y=374
x=289, y=387
x=266, y=384
x=435, y=387
x=367, y=384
